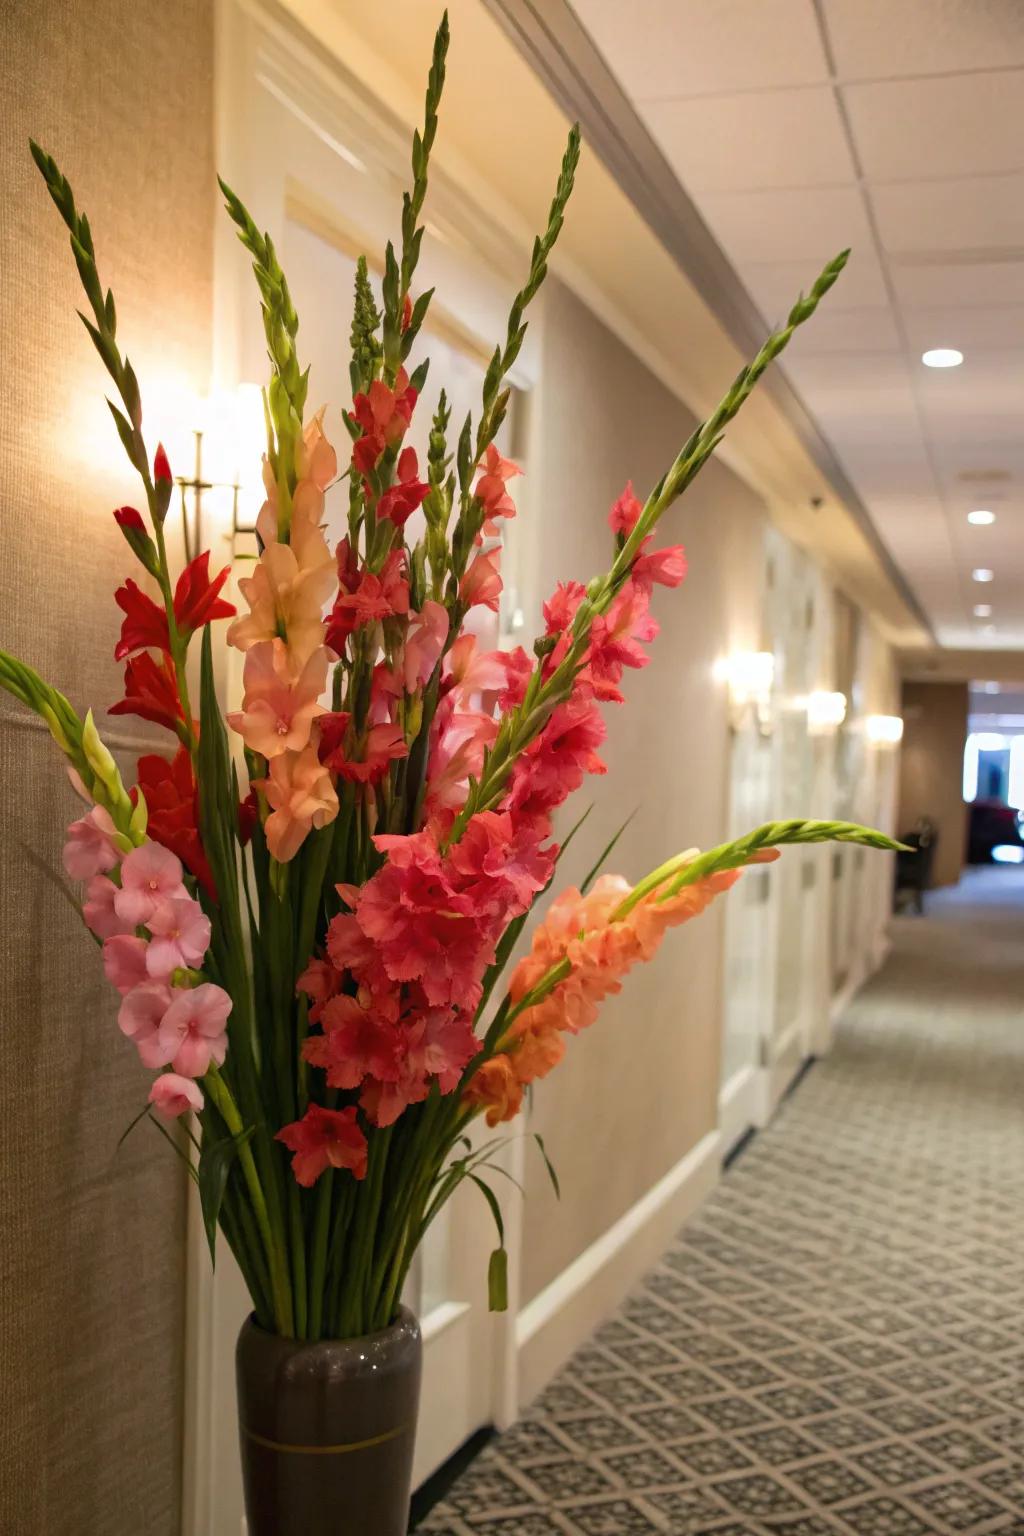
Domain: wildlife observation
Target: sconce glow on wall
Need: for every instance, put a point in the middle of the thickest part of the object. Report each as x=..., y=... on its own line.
x=825, y=712
x=224, y=436
x=884, y=730
x=749, y=676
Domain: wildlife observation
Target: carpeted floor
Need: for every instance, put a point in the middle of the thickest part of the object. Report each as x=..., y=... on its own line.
x=835, y=1345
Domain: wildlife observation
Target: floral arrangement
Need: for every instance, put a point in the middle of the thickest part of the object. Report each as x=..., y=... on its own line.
x=307, y=904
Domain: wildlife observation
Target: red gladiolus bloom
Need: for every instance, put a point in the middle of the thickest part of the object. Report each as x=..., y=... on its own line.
x=145, y=624
x=384, y=415
x=151, y=691
x=170, y=791
x=402, y=499
x=161, y=464
x=128, y=517
x=325, y=1138
x=370, y=599
x=196, y=600
x=248, y=816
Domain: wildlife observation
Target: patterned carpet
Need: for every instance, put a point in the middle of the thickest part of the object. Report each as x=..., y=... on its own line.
x=834, y=1345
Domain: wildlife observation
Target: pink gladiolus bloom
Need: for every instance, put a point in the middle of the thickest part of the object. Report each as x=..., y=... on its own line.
x=192, y=1032
x=319, y=982
x=181, y=936
x=150, y=875
x=99, y=911
x=124, y=961
x=140, y=1016
x=481, y=585
x=424, y=643
x=325, y=1138
x=491, y=489
x=278, y=709
x=472, y=671
x=625, y=513
x=301, y=795
x=91, y=846
x=382, y=1103
x=172, y=1096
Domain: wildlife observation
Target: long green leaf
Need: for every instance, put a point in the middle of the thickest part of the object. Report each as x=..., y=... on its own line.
x=214, y=1168
x=497, y=1269
x=606, y=851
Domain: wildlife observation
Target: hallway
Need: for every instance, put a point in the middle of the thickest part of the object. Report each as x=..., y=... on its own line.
x=834, y=1346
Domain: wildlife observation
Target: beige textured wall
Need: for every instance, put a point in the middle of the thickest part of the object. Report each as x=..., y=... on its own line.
x=640, y=1088
x=931, y=769
x=91, y=1239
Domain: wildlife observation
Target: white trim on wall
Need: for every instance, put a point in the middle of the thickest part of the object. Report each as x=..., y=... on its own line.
x=566, y=1312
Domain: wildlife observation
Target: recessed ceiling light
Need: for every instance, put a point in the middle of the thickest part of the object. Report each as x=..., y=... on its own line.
x=983, y=610
x=981, y=573
x=981, y=518
x=942, y=357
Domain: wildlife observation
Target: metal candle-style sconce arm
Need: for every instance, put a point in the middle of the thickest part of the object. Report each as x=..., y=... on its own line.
x=192, y=528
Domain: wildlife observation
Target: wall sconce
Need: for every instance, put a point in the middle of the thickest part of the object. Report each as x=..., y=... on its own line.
x=884, y=730
x=228, y=429
x=749, y=676
x=825, y=712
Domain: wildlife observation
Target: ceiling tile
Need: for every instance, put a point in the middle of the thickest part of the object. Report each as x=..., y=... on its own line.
x=787, y=226
x=966, y=125
x=880, y=39
x=758, y=139
x=846, y=330
x=866, y=391
x=969, y=330
x=957, y=285
x=669, y=48
x=774, y=285
x=980, y=213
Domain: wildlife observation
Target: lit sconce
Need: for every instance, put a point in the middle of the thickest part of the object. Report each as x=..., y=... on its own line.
x=825, y=712
x=228, y=440
x=749, y=676
x=885, y=730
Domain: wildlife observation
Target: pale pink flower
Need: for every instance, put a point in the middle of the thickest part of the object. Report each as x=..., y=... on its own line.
x=139, y=1017
x=481, y=585
x=149, y=875
x=99, y=911
x=171, y=1096
x=192, y=1032
x=278, y=709
x=301, y=796
x=124, y=961
x=181, y=936
x=91, y=846
x=424, y=642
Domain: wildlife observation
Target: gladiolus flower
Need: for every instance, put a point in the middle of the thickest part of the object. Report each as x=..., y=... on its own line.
x=325, y=1138
x=357, y=1042
x=384, y=415
x=150, y=875
x=481, y=585
x=128, y=517
x=170, y=791
x=278, y=710
x=491, y=489
x=383, y=744
x=192, y=1032
x=302, y=797
x=91, y=846
x=366, y=598
x=625, y=513
x=161, y=464
x=496, y=1086
x=402, y=499
x=662, y=567
x=424, y=643
x=124, y=961
x=286, y=597
x=319, y=982
x=316, y=460
x=196, y=597
x=99, y=911
x=140, y=1016
x=151, y=692
x=145, y=623
x=180, y=936
x=172, y=1096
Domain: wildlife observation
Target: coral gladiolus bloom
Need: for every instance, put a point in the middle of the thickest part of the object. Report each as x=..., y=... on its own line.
x=150, y=875
x=491, y=489
x=91, y=848
x=278, y=710
x=325, y=1138
x=495, y=1085
x=481, y=585
x=192, y=1032
x=302, y=797
x=171, y=1096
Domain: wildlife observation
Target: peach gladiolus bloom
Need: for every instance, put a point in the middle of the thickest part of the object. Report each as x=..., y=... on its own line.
x=301, y=796
x=278, y=710
x=286, y=595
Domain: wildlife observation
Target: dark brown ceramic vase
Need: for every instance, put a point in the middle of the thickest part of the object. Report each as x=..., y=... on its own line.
x=327, y=1431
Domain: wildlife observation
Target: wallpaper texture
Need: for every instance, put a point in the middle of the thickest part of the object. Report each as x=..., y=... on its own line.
x=92, y=1250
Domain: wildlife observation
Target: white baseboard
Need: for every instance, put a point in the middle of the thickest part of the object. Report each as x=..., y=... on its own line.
x=566, y=1312
x=739, y=1107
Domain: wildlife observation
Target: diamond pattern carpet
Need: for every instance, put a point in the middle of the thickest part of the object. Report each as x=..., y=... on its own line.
x=834, y=1347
